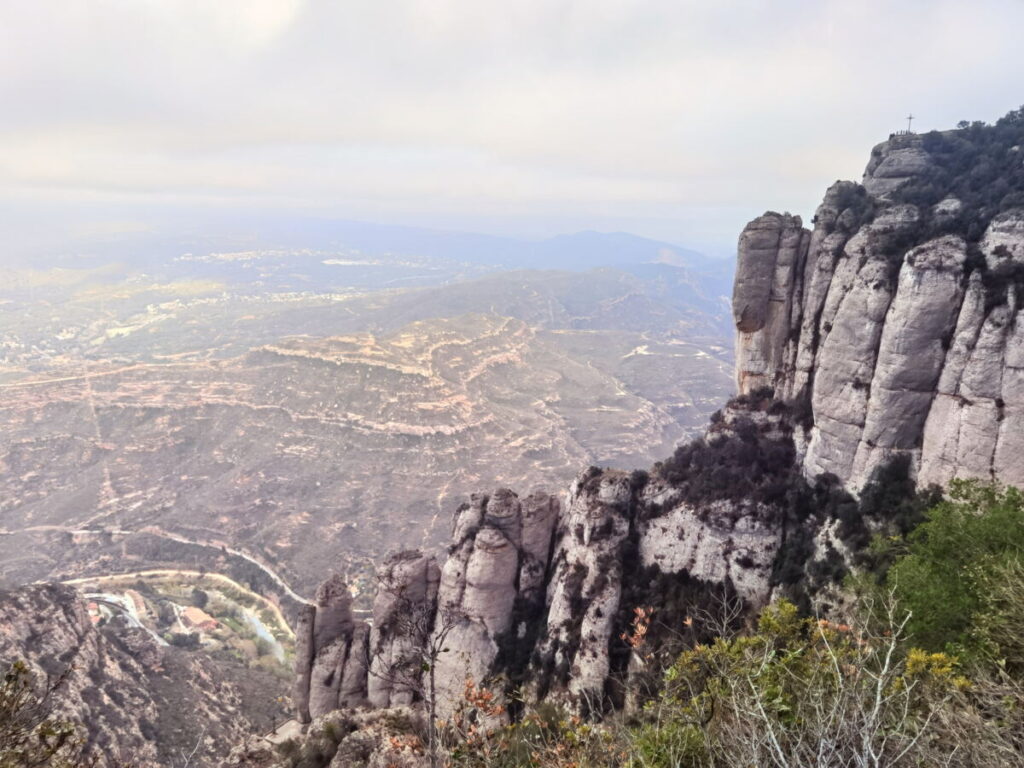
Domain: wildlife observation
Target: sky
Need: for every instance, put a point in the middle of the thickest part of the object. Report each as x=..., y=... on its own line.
x=673, y=119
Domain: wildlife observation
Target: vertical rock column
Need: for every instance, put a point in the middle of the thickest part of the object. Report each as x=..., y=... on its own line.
x=323, y=639
x=403, y=615
x=769, y=275
x=497, y=562
x=852, y=322
x=911, y=354
x=572, y=661
x=835, y=221
x=976, y=421
x=332, y=635
x=303, y=661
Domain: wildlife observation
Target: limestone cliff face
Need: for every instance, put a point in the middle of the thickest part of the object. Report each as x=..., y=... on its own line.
x=899, y=333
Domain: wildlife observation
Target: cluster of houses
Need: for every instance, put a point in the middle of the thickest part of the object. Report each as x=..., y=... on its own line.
x=191, y=618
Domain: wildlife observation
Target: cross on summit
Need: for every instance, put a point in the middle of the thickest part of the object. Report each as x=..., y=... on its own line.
x=910, y=119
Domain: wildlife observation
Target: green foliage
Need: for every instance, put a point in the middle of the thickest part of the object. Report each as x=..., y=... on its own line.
x=956, y=565
x=976, y=165
x=746, y=460
x=187, y=640
x=981, y=166
x=794, y=691
x=800, y=692
x=683, y=610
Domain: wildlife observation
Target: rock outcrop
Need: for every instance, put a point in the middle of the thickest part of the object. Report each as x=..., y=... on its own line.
x=403, y=618
x=536, y=593
x=896, y=329
x=493, y=577
x=330, y=653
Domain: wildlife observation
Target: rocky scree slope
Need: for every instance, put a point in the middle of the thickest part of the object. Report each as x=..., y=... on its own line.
x=137, y=703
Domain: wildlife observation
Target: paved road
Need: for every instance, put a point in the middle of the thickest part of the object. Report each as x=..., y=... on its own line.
x=159, y=532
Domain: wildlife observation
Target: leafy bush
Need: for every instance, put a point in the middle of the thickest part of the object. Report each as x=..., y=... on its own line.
x=547, y=737
x=803, y=692
x=956, y=563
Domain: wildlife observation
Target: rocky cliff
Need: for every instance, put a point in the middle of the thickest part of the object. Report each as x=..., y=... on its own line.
x=895, y=320
x=536, y=593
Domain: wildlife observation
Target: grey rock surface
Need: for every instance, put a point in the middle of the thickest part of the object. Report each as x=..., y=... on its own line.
x=403, y=615
x=326, y=637
x=893, y=342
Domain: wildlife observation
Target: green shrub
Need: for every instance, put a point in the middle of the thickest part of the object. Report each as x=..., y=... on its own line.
x=947, y=578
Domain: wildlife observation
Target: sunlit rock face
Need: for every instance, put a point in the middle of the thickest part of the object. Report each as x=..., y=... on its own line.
x=330, y=652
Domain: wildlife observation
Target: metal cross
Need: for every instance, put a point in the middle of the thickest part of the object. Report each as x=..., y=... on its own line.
x=910, y=119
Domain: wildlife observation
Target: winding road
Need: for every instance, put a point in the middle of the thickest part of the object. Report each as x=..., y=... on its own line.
x=154, y=531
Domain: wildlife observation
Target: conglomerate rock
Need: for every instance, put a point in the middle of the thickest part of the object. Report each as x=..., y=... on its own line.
x=403, y=614
x=328, y=643
x=893, y=339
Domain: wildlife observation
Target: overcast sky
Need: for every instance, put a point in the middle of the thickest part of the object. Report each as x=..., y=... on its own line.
x=669, y=118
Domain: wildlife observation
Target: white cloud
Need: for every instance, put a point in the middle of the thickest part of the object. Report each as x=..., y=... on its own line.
x=540, y=108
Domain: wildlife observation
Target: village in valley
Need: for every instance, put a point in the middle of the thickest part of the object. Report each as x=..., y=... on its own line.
x=193, y=610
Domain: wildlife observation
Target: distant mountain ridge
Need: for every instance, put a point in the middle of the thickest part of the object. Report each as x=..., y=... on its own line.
x=572, y=251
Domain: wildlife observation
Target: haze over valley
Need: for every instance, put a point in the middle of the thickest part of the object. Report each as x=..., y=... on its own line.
x=305, y=404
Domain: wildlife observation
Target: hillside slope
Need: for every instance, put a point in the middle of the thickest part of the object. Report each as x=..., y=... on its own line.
x=138, y=702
